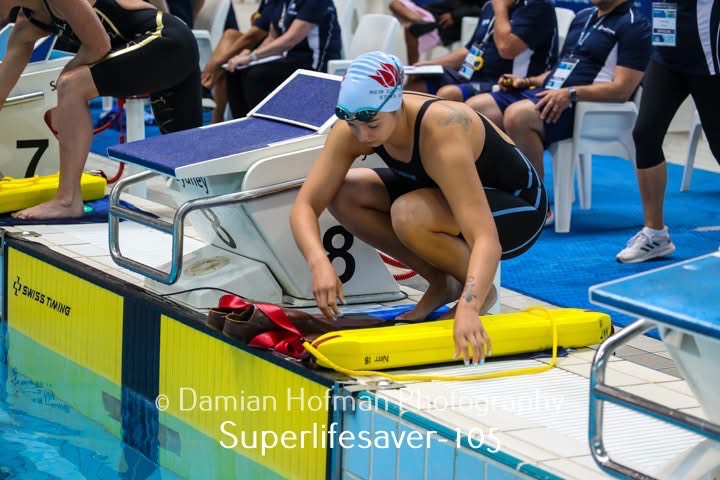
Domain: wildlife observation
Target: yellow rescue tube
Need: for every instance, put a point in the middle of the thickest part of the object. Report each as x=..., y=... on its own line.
x=432, y=342
x=19, y=193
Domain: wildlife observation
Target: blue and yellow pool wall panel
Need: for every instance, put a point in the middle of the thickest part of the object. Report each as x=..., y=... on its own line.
x=151, y=373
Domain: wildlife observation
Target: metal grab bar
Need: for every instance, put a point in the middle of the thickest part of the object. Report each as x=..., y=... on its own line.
x=601, y=392
x=24, y=98
x=177, y=227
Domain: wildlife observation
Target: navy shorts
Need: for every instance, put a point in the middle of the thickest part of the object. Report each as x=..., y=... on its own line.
x=453, y=77
x=554, y=132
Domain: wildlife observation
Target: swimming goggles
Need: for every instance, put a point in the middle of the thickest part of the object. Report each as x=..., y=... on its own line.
x=365, y=114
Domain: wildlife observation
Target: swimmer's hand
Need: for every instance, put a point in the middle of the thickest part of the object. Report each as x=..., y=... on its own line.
x=471, y=338
x=237, y=61
x=327, y=288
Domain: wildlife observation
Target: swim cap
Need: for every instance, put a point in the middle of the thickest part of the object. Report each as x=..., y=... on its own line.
x=371, y=78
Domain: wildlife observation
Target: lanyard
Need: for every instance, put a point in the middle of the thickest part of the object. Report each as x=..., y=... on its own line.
x=489, y=32
x=585, y=33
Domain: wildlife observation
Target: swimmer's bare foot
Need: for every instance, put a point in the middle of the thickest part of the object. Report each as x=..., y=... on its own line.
x=441, y=291
x=55, y=208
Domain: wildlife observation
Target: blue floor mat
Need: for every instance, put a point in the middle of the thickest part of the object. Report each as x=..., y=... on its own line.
x=96, y=211
x=561, y=267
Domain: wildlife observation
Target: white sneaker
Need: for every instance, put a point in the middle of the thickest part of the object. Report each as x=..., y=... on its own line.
x=645, y=245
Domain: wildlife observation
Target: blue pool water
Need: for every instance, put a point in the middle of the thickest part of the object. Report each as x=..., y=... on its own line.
x=42, y=438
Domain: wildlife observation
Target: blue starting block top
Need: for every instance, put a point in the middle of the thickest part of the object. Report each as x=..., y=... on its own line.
x=299, y=109
x=685, y=295
x=166, y=153
x=305, y=99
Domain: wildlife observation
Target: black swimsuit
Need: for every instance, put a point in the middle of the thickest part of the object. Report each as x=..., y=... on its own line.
x=514, y=190
x=151, y=53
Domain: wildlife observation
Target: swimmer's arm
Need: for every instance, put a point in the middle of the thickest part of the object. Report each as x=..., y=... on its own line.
x=451, y=163
x=20, y=47
x=299, y=29
x=94, y=41
x=322, y=183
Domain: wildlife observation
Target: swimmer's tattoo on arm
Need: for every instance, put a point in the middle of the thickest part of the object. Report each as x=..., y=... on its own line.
x=457, y=116
x=469, y=294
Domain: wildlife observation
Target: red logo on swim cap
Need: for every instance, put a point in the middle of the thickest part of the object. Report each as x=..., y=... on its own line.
x=387, y=75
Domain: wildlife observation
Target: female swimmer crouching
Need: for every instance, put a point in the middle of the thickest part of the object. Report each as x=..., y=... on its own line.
x=456, y=198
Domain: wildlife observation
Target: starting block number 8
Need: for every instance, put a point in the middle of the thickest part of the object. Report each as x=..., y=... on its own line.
x=343, y=251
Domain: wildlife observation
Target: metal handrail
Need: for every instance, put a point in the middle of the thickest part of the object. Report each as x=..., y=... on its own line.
x=600, y=392
x=24, y=98
x=177, y=227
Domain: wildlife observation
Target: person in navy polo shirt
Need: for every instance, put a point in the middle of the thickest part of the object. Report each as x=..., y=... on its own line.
x=307, y=32
x=606, y=51
x=685, y=61
x=512, y=36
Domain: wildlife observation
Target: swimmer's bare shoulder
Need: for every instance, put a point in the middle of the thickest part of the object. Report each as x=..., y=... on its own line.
x=449, y=123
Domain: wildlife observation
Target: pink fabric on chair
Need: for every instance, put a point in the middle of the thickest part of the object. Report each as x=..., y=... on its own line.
x=429, y=40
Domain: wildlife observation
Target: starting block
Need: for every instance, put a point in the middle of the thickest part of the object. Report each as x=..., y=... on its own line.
x=27, y=147
x=236, y=183
x=682, y=301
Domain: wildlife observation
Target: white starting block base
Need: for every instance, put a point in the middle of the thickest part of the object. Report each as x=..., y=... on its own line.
x=692, y=355
x=213, y=267
x=700, y=463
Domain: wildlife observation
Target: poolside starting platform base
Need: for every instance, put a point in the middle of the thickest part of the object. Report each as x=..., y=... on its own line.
x=236, y=182
x=204, y=406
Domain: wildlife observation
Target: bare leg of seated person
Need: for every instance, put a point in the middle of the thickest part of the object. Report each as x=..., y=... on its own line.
x=450, y=92
x=412, y=46
x=485, y=104
x=418, y=229
x=213, y=76
x=74, y=124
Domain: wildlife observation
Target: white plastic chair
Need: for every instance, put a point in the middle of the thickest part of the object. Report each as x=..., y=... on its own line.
x=347, y=17
x=600, y=128
x=564, y=17
x=695, y=131
x=467, y=28
x=375, y=32
x=209, y=27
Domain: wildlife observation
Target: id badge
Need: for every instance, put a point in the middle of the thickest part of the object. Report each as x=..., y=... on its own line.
x=561, y=73
x=664, y=24
x=473, y=62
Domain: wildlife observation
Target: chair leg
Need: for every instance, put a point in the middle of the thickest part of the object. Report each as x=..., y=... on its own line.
x=585, y=180
x=690, y=162
x=563, y=182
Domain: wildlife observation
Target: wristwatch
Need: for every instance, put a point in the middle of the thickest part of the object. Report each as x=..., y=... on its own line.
x=573, y=95
x=253, y=56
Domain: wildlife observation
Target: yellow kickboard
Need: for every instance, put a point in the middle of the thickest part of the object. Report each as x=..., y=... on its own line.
x=432, y=342
x=19, y=193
